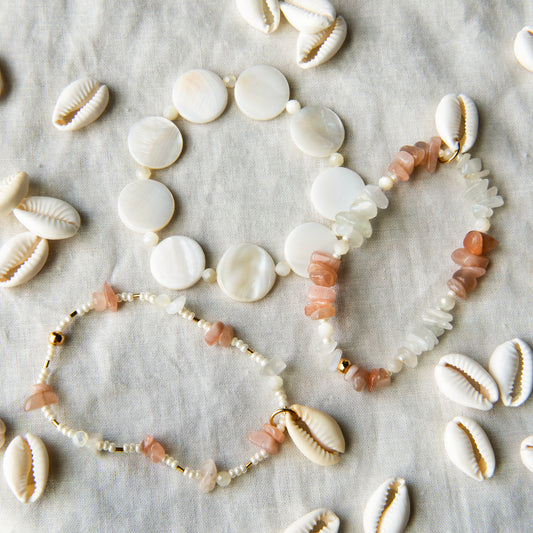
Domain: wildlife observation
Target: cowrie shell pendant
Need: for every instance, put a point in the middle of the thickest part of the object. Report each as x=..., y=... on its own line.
x=318, y=521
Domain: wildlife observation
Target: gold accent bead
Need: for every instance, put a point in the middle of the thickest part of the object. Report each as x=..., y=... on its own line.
x=343, y=366
x=249, y=351
x=248, y=465
x=56, y=338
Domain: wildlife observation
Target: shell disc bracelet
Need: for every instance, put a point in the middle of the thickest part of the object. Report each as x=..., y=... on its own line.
x=316, y=434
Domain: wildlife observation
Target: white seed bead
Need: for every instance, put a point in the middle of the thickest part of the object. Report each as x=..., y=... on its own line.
x=325, y=329
x=293, y=106
x=482, y=224
x=264, y=454
x=191, y=474
x=336, y=160
x=238, y=344
x=112, y=447
x=100, y=445
x=152, y=298
x=243, y=348
x=283, y=269
x=447, y=303
x=229, y=80
x=150, y=238
x=138, y=448
x=186, y=471
x=201, y=323
x=174, y=463
x=170, y=113
x=163, y=300
x=143, y=173
x=209, y=275
x=341, y=247
x=386, y=183
x=254, y=460
x=223, y=479
x=65, y=430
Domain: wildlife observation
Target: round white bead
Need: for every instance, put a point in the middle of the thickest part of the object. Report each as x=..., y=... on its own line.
x=283, y=269
x=386, y=183
x=482, y=224
x=143, y=173
x=138, y=448
x=209, y=275
x=293, y=106
x=341, y=247
x=223, y=478
x=229, y=80
x=336, y=160
x=325, y=329
x=80, y=439
x=171, y=113
x=150, y=238
x=447, y=303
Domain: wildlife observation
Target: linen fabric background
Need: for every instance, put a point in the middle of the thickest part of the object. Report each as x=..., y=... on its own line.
x=142, y=372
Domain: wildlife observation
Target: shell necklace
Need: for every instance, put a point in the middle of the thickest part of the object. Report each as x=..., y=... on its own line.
x=314, y=433
x=246, y=272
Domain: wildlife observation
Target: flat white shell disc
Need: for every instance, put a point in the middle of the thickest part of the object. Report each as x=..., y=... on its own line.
x=200, y=96
x=261, y=92
x=303, y=241
x=334, y=190
x=177, y=262
x=246, y=272
x=155, y=142
x=317, y=131
x=145, y=205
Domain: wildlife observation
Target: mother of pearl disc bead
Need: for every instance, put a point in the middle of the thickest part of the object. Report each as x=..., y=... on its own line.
x=246, y=272
x=305, y=239
x=261, y=92
x=200, y=96
x=334, y=191
x=155, y=142
x=317, y=131
x=177, y=262
x=145, y=205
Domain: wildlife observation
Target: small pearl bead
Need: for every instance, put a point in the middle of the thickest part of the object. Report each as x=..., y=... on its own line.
x=105, y=447
x=229, y=80
x=264, y=454
x=143, y=173
x=170, y=112
x=325, y=330
x=80, y=439
x=341, y=247
x=395, y=365
x=150, y=238
x=112, y=447
x=386, y=183
x=447, y=303
x=293, y=106
x=223, y=479
x=336, y=160
x=163, y=300
x=482, y=224
x=152, y=298
x=138, y=448
x=209, y=275
x=283, y=269
x=243, y=348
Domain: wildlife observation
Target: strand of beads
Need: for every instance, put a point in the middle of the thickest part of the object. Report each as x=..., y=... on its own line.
x=208, y=476
x=354, y=226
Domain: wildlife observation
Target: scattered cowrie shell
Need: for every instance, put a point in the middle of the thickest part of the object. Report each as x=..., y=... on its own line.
x=318, y=521
x=21, y=259
x=2, y=433
x=79, y=104
x=313, y=49
x=388, y=509
x=466, y=382
x=309, y=16
x=526, y=452
x=316, y=434
x=457, y=121
x=49, y=218
x=26, y=467
x=469, y=448
x=13, y=190
x=263, y=15
x=511, y=365
x=523, y=47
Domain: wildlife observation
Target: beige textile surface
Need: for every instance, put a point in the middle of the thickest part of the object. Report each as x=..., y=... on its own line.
x=139, y=372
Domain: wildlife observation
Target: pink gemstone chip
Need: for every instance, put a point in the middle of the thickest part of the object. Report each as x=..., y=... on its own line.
x=152, y=449
x=99, y=301
x=463, y=257
x=322, y=274
x=43, y=395
x=323, y=312
x=264, y=441
x=326, y=259
x=418, y=153
x=316, y=293
x=433, y=154
x=213, y=333
x=111, y=297
x=406, y=160
x=398, y=170
x=273, y=431
x=226, y=336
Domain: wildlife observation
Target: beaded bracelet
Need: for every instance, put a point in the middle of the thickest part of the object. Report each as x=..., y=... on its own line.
x=314, y=433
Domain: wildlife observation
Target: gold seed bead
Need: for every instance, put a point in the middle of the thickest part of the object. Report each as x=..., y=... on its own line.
x=343, y=366
x=56, y=338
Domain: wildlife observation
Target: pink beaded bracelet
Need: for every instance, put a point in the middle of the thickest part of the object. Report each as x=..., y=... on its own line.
x=314, y=433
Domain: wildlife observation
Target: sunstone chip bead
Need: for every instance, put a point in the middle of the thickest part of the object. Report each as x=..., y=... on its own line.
x=479, y=243
x=322, y=274
x=463, y=257
x=433, y=154
x=152, y=449
x=417, y=152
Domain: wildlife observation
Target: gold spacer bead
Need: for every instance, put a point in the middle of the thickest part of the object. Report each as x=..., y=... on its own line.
x=56, y=338
x=248, y=465
x=343, y=366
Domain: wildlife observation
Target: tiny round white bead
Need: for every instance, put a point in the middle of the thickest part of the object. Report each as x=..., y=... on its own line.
x=482, y=224
x=325, y=329
x=229, y=80
x=447, y=303
x=150, y=238
x=209, y=275
x=170, y=113
x=283, y=269
x=163, y=300
x=336, y=160
x=112, y=447
x=80, y=439
x=223, y=478
x=138, y=448
x=293, y=106
x=386, y=183
x=143, y=173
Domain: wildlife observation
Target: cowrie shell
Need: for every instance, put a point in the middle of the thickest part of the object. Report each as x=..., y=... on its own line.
x=2, y=433
x=26, y=467
x=13, y=190
x=263, y=15
x=79, y=104
x=21, y=259
x=466, y=382
x=308, y=16
x=469, y=448
x=49, y=218
x=523, y=47
x=457, y=121
x=388, y=509
x=313, y=49
x=316, y=434
x=511, y=365
x=318, y=521
x=526, y=452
